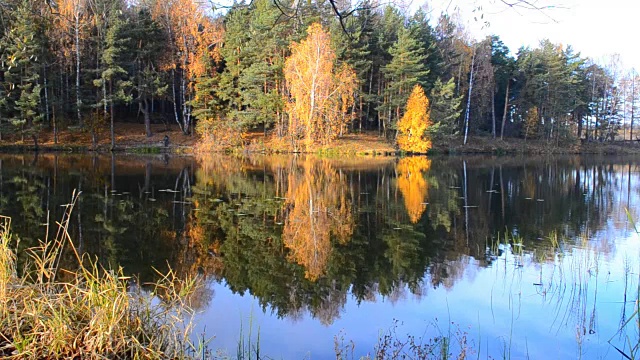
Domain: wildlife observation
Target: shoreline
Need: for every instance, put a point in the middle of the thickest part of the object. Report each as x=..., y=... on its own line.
x=130, y=139
x=591, y=149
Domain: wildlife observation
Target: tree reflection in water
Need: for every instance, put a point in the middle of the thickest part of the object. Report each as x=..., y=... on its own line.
x=302, y=234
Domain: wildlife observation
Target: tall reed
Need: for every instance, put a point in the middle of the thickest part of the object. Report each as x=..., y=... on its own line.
x=87, y=312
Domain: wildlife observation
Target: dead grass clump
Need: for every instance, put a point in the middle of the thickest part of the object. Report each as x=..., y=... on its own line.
x=94, y=313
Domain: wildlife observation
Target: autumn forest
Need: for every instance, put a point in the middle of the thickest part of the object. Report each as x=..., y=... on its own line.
x=302, y=72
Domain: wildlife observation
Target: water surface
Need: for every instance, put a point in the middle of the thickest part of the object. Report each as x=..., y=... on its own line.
x=519, y=257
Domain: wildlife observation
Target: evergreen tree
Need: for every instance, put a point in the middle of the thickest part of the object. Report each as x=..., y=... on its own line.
x=404, y=71
x=147, y=41
x=112, y=75
x=354, y=48
x=504, y=66
x=23, y=47
x=233, y=55
x=445, y=108
x=419, y=25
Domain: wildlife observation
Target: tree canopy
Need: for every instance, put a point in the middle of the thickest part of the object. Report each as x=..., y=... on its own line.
x=254, y=68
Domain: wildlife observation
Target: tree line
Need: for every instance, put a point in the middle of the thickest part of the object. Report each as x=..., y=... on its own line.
x=295, y=70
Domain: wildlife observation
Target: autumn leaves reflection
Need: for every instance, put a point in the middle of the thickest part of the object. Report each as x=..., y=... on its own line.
x=313, y=201
x=412, y=183
x=317, y=210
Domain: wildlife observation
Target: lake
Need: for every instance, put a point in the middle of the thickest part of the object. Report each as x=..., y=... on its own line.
x=505, y=257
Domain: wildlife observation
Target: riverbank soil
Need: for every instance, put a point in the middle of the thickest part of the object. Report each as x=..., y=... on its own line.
x=488, y=145
x=132, y=138
x=128, y=136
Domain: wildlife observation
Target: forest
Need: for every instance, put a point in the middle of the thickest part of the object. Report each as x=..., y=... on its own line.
x=295, y=71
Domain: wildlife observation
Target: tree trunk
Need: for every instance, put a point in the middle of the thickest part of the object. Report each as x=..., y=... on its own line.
x=506, y=108
x=35, y=141
x=493, y=113
x=112, y=127
x=624, y=111
x=579, y=121
x=55, y=125
x=466, y=116
x=94, y=138
x=183, y=89
x=633, y=103
x=144, y=108
x=77, y=43
x=46, y=94
x=175, y=99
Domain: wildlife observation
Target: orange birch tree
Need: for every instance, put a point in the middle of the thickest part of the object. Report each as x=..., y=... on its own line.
x=412, y=136
x=193, y=38
x=320, y=95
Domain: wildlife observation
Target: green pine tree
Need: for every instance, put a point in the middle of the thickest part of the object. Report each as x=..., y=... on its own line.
x=147, y=46
x=112, y=77
x=406, y=69
x=445, y=108
x=23, y=47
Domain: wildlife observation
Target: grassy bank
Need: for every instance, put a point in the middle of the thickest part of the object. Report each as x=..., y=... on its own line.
x=47, y=312
x=369, y=143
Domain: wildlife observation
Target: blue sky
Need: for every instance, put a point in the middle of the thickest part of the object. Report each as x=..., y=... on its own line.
x=595, y=28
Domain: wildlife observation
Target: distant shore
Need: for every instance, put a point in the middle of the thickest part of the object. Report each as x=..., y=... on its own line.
x=131, y=139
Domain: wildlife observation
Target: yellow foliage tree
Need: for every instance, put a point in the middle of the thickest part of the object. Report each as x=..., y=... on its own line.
x=320, y=95
x=193, y=40
x=531, y=123
x=413, y=185
x=412, y=136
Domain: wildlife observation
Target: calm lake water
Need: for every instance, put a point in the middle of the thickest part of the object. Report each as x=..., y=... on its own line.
x=520, y=257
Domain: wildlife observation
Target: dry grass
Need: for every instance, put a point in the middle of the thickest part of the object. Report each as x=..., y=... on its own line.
x=93, y=314
x=367, y=143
